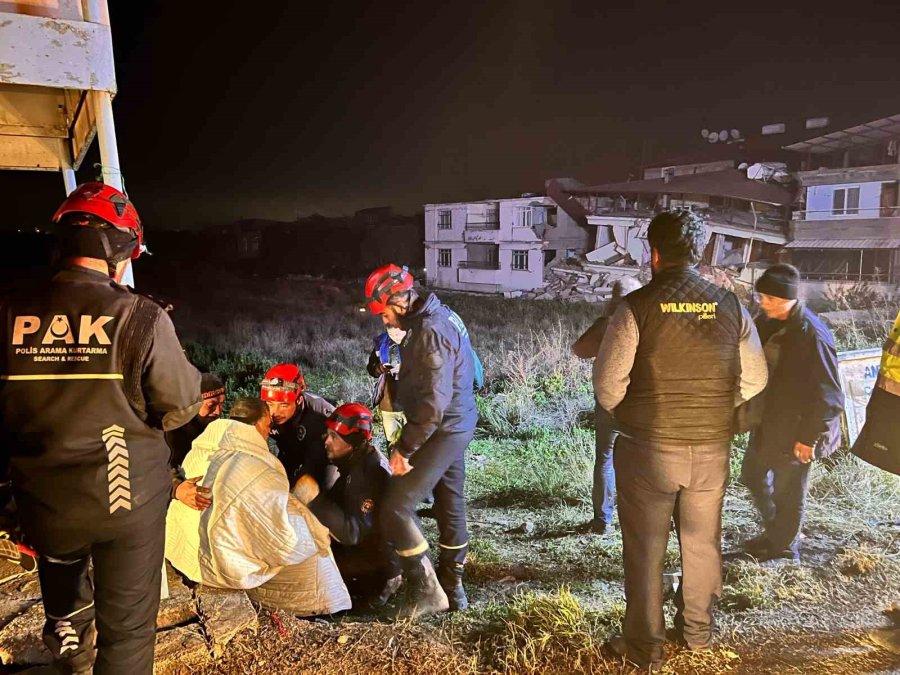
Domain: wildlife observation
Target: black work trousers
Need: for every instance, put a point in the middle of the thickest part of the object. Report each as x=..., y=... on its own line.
x=127, y=556
x=778, y=485
x=656, y=483
x=439, y=467
x=365, y=568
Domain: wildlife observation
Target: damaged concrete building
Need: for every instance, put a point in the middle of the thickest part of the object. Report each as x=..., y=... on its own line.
x=745, y=194
x=815, y=192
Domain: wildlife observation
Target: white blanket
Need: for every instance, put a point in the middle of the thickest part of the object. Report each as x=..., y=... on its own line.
x=254, y=527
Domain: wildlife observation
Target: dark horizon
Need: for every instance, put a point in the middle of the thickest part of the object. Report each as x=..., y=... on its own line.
x=223, y=115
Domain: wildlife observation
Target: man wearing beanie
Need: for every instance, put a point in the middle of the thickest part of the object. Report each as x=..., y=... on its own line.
x=212, y=395
x=212, y=400
x=797, y=417
x=349, y=507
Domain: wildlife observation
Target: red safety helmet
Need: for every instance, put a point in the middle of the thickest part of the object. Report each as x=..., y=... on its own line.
x=283, y=383
x=351, y=418
x=384, y=283
x=110, y=205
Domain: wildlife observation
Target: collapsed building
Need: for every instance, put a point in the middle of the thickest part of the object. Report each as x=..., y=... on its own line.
x=814, y=193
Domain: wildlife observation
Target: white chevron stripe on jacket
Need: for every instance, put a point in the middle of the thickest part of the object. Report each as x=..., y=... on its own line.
x=254, y=528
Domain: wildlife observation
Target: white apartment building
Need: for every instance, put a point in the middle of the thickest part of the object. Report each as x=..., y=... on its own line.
x=498, y=245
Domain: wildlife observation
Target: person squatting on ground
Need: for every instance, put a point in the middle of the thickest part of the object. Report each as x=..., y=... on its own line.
x=436, y=392
x=603, y=490
x=384, y=364
x=349, y=509
x=678, y=355
x=212, y=397
x=298, y=423
x=91, y=376
x=256, y=535
x=796, y=419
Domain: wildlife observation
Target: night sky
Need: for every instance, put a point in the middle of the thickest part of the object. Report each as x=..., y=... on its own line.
x=223, y=114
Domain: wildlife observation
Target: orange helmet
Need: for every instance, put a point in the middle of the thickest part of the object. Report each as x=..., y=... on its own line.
x=384, y=283
x=283, y=383
x=351, y=418
x=109, y=205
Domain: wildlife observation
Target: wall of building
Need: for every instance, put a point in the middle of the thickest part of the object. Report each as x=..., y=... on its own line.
x=819, y=201
x=512, y=234
x=568, y=236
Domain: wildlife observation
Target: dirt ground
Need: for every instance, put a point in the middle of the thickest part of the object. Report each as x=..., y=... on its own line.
x=840, y=627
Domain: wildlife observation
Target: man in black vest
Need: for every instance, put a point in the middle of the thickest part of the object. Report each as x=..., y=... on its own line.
x=677, y=357
x=91, y=375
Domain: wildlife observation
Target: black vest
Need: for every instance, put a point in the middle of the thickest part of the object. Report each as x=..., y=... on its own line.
x=687, y=365
x=72, y=351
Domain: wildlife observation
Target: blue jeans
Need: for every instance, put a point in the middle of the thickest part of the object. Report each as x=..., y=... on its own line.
x=778, y=485
x=603, y=493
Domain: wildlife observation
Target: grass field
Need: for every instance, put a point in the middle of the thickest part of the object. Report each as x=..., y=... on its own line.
x=544, y=597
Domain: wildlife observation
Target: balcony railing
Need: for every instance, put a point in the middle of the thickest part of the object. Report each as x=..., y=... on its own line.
x=479, y=264
x=830, y=214
x=488, y=224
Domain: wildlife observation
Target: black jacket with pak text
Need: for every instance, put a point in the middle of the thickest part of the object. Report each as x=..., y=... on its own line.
x=91, y=375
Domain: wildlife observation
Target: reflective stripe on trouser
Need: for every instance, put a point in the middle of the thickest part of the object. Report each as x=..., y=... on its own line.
x=124, y=598
x=438, y=467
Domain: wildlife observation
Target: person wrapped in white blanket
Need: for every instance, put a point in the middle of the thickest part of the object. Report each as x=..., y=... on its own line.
x=256, y=535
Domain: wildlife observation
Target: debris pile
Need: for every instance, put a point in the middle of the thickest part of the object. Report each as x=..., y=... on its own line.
x=578, y=280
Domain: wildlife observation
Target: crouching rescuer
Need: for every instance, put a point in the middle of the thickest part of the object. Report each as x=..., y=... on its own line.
x=350, y=507
x=91, y=375
x=435, y=391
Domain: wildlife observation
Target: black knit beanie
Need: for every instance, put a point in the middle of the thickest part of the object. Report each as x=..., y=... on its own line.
x=211, y=385
x=780, y=281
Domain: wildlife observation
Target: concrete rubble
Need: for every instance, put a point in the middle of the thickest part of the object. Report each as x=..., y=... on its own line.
x=193, y=625
x=578, y=280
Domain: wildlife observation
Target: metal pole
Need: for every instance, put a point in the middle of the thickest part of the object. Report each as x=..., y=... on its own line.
x=97, y=11
x=69, y=180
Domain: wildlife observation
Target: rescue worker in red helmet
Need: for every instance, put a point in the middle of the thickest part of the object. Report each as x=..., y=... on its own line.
x=435, y=389
x=350, y=507
x=91, y=376
x=298, y=422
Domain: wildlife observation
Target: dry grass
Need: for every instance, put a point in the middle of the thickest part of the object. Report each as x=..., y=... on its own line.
x=749, y=585
x=859, y=560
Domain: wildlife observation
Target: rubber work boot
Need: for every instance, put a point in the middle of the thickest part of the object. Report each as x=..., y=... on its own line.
x=390, y=587
x=451, y=582
x=424, y=594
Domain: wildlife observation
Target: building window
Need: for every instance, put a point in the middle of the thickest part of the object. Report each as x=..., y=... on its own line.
x=520, y=260
x=845, y=202
x=445, y=221
x=571, y=253
x=445, y=257
x=524, y=219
